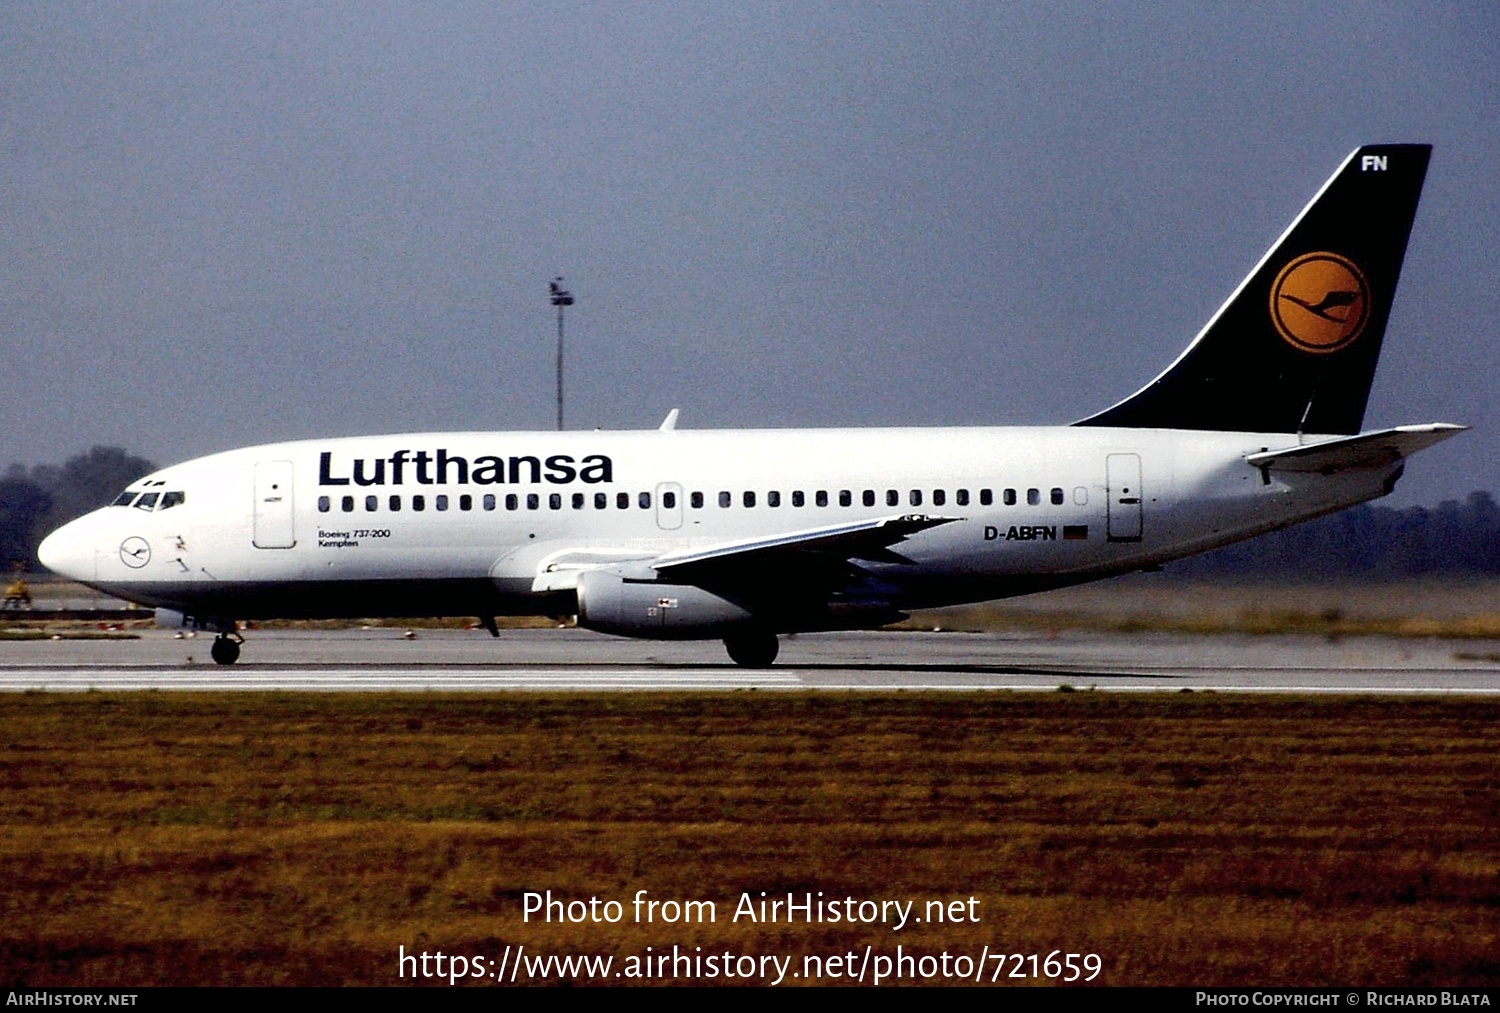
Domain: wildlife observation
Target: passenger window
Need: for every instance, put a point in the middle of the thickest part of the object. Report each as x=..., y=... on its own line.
x=916, y=497
x=1057, y=497
x=1033, y=497
x=1081, y=495
x=441, y=501
x=773, y=498
x=645, y=500
x=798, y=499
x=466, y=502
x=749, y=498
x=554, y=501
x=419, y=503
x=489, y=501
x=987, y=497
x=961, y=497
x=148, y=501
x=601, y=501
x=171, y=499
x=892, y=497
x=846, y=498
x=669, y=500
x=348, y=504
x=821, y=498
x=725, y=499
x=578, y=501
x=869, y=497
x=939, y=497
x=622, y=501
x=1010, y=497
x=512, y=501
x=124, y=498
x=323, y=504
x=696, y=501
x=395, y=503
x=533, y=501
x=372, y=503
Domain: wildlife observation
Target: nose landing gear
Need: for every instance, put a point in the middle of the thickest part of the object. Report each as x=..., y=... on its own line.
x=226, y=648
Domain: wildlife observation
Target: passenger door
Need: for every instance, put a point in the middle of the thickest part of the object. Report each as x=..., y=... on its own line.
x=274, y=528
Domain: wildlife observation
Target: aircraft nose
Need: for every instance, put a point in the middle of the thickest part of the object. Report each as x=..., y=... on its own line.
x=68, y=551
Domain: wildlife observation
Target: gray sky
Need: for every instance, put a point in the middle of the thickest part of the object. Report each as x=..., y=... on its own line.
x=232, y=224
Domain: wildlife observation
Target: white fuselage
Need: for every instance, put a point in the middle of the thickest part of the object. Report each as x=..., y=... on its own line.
x=473, y=523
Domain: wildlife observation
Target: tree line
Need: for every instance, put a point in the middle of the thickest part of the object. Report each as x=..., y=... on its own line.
x=1370, y=541
x=1375, y=542
x=34, y=501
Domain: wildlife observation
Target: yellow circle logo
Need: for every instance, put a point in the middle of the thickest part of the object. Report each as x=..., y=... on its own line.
x=1320, y=302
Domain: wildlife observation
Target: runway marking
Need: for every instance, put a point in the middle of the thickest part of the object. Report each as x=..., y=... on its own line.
x=365, y=680
x=49, y=679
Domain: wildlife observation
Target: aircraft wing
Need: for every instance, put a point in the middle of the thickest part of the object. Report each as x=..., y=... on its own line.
x=869, y=540
x=1366, y=450
x=818, y=555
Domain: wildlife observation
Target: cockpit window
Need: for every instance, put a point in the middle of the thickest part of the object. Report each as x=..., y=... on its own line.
x=125, y=498
x=147, y=501
x=171, y=499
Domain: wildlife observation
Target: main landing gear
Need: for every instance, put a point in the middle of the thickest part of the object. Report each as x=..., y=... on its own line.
x=226, y=648
x=752, y=649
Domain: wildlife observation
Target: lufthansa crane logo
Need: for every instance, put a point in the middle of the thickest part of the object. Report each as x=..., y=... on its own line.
x=135, y=552
x=1320, y=302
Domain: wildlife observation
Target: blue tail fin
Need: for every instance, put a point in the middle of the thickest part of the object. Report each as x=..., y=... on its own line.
x=1294, y=348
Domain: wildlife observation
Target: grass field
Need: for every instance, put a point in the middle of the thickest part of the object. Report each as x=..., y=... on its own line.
x=1160, y=603
x=1447, y=608
x=1185, y=839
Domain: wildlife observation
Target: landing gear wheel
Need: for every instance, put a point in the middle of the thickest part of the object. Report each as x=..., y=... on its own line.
x=752, y=650
x=225, y=651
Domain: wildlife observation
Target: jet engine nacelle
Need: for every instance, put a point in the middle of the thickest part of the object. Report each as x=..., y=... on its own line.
x=610, y=603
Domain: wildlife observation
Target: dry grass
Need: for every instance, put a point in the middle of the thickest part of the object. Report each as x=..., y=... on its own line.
x=1189, y=839
x=65, y=633
x=1270, y=622
x=1462, y=610
x=1448, y=608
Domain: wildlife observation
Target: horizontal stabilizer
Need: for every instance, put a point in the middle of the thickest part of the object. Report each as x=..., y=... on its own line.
x=1367, y=450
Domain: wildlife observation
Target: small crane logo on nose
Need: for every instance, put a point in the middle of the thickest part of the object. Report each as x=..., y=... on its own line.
x=135, y=552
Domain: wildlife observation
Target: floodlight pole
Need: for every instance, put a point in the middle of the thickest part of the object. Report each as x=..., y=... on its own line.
x=560, y=297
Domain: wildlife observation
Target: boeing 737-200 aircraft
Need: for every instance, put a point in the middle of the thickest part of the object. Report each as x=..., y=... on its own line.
x=746, y=534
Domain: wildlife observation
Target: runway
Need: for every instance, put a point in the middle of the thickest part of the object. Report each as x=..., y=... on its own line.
x=576, y=660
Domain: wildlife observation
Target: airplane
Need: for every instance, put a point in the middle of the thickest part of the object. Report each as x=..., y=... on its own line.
x=745, y=535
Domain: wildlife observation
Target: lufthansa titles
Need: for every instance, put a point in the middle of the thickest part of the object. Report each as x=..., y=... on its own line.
x=443, y=468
